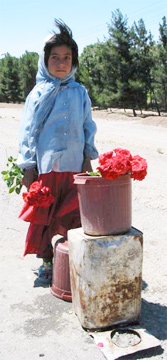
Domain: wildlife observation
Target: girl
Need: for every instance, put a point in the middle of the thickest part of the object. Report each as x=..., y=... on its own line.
x=56, y=140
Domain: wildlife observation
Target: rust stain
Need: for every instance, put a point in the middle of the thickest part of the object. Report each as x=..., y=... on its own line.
x=112, y=303
x=73, y=277
x=82, y=298
x=129, y=290
x=139, y=238
x=76, y=289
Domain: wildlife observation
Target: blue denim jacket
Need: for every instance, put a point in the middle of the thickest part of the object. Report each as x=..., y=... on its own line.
x=57, y=130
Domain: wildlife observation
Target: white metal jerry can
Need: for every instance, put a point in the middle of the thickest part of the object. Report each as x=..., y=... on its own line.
x=106, y=277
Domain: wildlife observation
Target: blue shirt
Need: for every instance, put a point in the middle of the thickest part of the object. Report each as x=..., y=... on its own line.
x=57, y=131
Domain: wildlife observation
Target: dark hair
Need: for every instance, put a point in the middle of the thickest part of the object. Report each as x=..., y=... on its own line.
x=62, y=38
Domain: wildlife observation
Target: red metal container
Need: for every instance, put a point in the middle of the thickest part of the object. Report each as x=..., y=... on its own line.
x=105, y=205
x=61, y=287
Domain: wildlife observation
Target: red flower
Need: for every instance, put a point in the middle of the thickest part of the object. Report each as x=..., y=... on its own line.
x=35, y=187
x=114, y=167
x=38, y=195
x=119, y=162
x=139, y=168
x=123, y=152
x=103, y=158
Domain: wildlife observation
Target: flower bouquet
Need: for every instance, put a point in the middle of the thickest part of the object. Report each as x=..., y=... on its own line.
x=118, y=162
x=38, y=195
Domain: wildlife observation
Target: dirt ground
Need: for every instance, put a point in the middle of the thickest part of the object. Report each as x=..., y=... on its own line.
x=35, y=324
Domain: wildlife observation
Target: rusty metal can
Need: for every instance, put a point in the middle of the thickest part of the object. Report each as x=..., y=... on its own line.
x=106, y=277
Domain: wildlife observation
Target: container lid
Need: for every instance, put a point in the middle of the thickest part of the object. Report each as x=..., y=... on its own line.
x=84, y=178
x=62, y=246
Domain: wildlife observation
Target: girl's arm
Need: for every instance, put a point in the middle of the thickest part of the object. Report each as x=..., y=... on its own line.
x=86, y=166
x=30, y=176
x=27, y=152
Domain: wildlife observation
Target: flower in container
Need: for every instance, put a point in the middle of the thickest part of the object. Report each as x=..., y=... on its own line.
x=105, y=199
x=118, y=162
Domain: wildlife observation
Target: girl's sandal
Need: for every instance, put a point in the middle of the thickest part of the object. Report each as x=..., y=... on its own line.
x=45, y=273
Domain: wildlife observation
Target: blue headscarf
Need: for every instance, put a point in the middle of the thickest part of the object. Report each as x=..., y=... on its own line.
x=47, y=86
x=38, y=106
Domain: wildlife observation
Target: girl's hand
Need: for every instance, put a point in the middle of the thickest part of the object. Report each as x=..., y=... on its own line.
x=29, y=177
x=86, y=166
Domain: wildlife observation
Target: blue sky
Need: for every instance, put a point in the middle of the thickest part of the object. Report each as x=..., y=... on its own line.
x=25, y=23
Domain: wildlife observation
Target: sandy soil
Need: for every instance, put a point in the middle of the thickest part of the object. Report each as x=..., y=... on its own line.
x=27, y=311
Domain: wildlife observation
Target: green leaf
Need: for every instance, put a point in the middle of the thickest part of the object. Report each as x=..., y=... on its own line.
x=6, y=177
x=13, y=175
x=19, y=176
x=17, y=190
x=11, y=189
x=96, y=173
x=10, y=182
x=18, y=181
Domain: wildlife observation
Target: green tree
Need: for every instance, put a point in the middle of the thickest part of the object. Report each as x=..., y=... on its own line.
x=10, y=81
x=120, y=49
x=91, y=71
x=109, y=74
x=86, y=65
x=142, y=63
x=160, y=70
x=28, y=70
x=128, y=69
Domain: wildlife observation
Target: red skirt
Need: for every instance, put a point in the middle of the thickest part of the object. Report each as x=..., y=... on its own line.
x=58, y=218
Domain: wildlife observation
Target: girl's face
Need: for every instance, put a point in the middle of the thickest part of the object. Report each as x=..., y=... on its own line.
x=60, y=61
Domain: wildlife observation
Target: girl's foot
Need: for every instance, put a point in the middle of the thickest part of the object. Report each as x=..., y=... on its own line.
x=45, y=272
